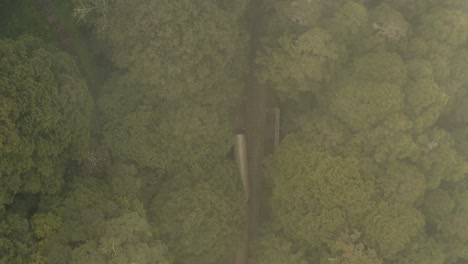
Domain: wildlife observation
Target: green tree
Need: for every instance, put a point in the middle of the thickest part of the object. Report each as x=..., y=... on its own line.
x=45, y=116
x=388, y=30
x=126, y=185
x=451, y=229
x=290, y=14
x=453, y=117
x=183, y=71
x=16, y=239
x=94, y=227
x=350, y=22
x=87, y=253
x=411, y=9
x=390, y=140
x=423, y=250
x=348, y=250
x=363, y=104
x=179, y=48
x=401, y=184
x=124, y=239
x=382, y=67
x=446, y=26
x=374, y=139
x=437, y=206
x=83, y=210
x=201, y=213
x=454, y=234
x=458, y=66
x=314, y=193
x=372, y=92
x=438, y=159
x=388, y=23
x=424, y=98
x=299, y=63
x=44, y=224
x=163, y=135
x=417, y=48
x=389, y=228
x=325, y=130
x=270, y=248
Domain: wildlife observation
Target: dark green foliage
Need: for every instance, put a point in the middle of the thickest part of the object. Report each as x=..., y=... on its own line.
x=373, y=92
x=397, y=96
x=143, y=128
x=401, y=184
x=389, y=228
x=388, y=23
x=447, y=26
x=458, y=69
x=423, y=250
x=299, y=63
x=271, y=248
x=348, y=249
x=425, y=99
x=183, y=77
x=437, y=205
x=387, y=30
x=45, y=111
x=178, y=48
x=201, y=214
x=438, y=159
x=380, y=67
x=390, y=140
x=350, y=22
x=19, y=17
x=372, y=162
x=363, y=104
x=90, y=225
x=315, y=192
x=16, y=239
x=453, y=233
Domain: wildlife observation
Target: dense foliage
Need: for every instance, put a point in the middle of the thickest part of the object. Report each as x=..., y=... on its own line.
x=372, y=163
x=371, y=166
x=183, y=73
x=45, y=111
x=154, y=184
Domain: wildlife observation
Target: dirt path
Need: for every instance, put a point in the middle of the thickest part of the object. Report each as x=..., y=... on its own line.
x=255, y=131
x=254, y=120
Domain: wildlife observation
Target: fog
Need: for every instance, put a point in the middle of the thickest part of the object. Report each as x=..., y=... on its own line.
x=241, y=131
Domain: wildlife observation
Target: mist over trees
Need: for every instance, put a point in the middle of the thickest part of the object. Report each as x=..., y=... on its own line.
x=136, y=166
x=362, y=162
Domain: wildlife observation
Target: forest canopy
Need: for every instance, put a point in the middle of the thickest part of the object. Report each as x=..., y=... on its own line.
x=45, y=116
x=117, y=120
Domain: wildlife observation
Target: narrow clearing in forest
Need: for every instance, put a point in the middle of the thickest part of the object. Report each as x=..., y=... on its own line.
x=254, y=122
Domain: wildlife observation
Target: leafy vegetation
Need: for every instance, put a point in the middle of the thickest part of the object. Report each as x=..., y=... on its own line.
x=371, y=154
x=45, y=116
x=120, y=150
